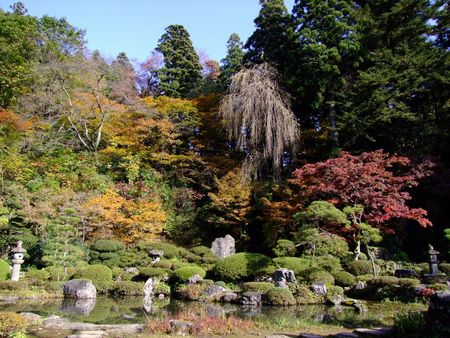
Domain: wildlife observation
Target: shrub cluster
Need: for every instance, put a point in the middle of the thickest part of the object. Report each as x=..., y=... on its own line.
x=284, y=248
x=4, y=270
x=343, y=278
x=262, y=287
x=279, y=297
x=100, y=275
x=184, y=273
x=127, y=288
x=242, y=266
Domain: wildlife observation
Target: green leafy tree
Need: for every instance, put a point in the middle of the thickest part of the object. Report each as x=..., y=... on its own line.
x=182, y=72
x=271, y=40
x=325, y=49
x=233, y=60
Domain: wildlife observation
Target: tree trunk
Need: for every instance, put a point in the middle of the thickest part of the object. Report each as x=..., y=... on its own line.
x=372, y=261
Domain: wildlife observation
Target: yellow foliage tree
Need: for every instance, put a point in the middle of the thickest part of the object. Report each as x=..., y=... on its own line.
x=128, y=220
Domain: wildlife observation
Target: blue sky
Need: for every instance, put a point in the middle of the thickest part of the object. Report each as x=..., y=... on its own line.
x=134, y=26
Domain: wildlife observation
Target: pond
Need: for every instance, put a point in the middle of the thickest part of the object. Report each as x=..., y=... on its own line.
x=131, y=310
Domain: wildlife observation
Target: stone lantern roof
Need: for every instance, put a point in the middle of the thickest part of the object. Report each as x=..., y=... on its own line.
x=18, y=248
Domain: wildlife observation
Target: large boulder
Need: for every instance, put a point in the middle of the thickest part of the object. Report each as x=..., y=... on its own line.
x=79, y=289
x=439, y=309
x=282, y=277
x=223, y=246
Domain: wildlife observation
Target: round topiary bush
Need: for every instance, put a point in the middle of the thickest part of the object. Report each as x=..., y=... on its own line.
x=304, y=296
x=163, y=264
x=334, y=245
x=100, y=275
x=343, y=278
x=183, y=274
x=284, y=248
x=279, y=297
x=127, y=288
x=262, y=287
x=107, y=245
x=4, y=270
x=360, y=267
x=241, y=266
x=161, y=288
x=170, y=250
x=317, y=276
x=147, y=272
x=295, y=264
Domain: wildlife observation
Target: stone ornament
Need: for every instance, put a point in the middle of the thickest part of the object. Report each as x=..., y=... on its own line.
x=223, y=246
x=17, y=254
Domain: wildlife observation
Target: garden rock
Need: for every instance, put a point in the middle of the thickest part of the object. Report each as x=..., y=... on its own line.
x=405, y=273
x=223, y=246
x=194, y=279
x=229, y=297
x=319, y=288
x=79, y=289
x=215, y=291
x=375, y=332
x=133, y=271
x=251, y=298
x=439, y=308
x=181, y=328
x=282, y=277
x=149, y=287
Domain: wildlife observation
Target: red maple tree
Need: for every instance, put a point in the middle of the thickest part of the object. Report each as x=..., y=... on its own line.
x=377, y=180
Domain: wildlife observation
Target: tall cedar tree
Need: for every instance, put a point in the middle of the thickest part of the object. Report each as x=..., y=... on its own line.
x=182, y=71
x=402, y=85
x=233, y=59
x=325, y=50
x=270, y=41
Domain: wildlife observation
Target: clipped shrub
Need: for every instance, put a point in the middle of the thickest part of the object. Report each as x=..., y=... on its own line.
x=319, y=276
x=364, y=278
x=360, y=267
x=37, y=277
x=438, y=287
x=100, y=275
x=201, y=250
x=163, y=264
x=183, y=274
x=284, y=248
x=127, y=288
x=192, y=258
x=241, y=266
x=333, y=245
x=170, y=250
x=210, y=258
x=190, y=291
x=4, y=270
x=295, y=264
x=383, y=281
x=133, y=258
x=328, y=263
x=12, y=323
x=107, y=245
x=408, y=282
x=161, y=288
x=343, y=278
x=108, y=255
x=13, y=285
x=176, y=264
x=54, y=286
x=304, y=296
x=445, y=268
x=333, y=290
x=262, y=287
x=147, y=272
x=279, y=297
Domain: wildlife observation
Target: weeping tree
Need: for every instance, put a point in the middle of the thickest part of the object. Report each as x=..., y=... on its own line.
x=258, y=116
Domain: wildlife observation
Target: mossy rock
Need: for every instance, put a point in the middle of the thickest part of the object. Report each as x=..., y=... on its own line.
x=344, y=278
x=279, y=297
x=183, y=274
x=241, y=266
x=4, y=270
x=100, y=275
x=107, y=245
x=127, y=288
x=284, y=248
x=262, y=287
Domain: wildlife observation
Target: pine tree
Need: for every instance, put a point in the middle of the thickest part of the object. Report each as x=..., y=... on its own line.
x=233, y=59
x=182, y=71
x=270, y=41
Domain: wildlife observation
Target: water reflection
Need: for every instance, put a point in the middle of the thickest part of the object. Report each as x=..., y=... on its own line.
x=106, y=310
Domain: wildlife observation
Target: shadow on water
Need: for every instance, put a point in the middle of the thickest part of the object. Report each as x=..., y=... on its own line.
x=107, y=310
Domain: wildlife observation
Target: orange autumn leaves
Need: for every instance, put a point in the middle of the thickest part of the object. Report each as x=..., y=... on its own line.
x=129, y=220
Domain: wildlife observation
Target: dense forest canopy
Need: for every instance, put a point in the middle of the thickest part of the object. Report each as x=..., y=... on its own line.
x=334, y=115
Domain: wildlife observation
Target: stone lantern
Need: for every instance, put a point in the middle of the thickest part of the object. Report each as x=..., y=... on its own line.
x=433, y=260
x=17, y=253
x=155, y=255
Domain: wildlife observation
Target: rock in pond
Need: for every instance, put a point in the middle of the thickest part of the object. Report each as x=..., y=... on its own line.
x=251, y=298
x=223, y=246
x=79, y=289
x=319, y=288
x=215, y=291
